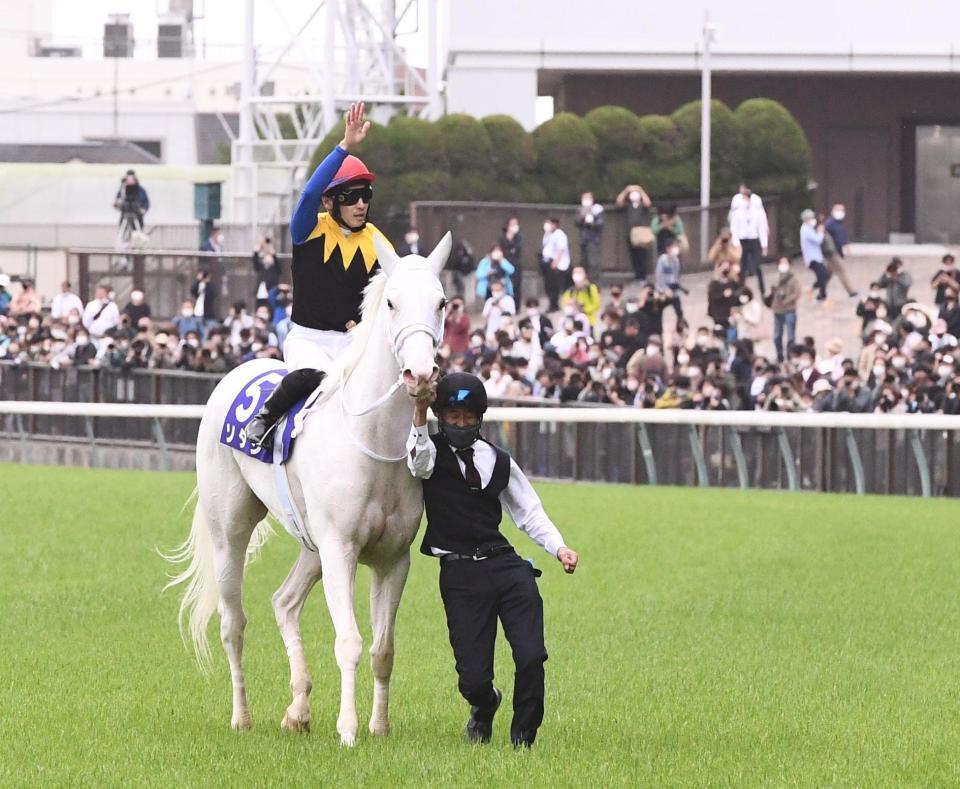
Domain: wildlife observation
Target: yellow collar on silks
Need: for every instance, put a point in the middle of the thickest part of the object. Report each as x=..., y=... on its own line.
x=347, y=243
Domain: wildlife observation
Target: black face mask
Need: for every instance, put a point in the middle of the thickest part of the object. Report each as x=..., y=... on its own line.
x=460, y=437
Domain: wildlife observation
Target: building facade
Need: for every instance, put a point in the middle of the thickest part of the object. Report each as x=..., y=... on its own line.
x=874, y=84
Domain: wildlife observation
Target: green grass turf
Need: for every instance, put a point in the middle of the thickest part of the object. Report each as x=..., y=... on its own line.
x=710, y=637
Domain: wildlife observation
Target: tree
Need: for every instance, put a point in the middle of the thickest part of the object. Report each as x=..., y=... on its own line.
x=566, y=153
x=726, y=144
x=513, y=154
x=779, y=151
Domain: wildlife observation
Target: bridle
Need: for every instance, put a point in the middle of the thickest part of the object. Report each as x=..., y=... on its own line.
x=396, y=343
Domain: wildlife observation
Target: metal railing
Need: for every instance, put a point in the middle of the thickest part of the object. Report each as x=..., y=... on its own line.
x=854, y=453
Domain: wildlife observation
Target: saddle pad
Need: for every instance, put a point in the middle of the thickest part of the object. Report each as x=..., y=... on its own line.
x=246, y=404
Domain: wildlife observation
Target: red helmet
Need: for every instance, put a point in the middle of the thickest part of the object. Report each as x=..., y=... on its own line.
x=351, y=170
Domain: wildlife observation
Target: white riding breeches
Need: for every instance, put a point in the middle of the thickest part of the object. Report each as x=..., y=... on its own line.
x=313, y=348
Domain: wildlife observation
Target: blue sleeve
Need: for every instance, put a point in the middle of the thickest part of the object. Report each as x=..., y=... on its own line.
x=304, y=218
x=144, y=200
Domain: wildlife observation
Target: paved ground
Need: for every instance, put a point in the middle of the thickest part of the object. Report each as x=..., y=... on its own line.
x=835, y=317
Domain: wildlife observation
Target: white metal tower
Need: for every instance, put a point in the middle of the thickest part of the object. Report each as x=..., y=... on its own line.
x=359, y=61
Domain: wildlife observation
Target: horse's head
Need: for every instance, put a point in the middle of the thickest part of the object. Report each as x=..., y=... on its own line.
x=415, y=308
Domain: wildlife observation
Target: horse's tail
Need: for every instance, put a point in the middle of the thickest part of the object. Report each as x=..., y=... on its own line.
x=201, y=597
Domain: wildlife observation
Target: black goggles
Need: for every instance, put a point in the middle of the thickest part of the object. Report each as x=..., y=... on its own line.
x=354, y=196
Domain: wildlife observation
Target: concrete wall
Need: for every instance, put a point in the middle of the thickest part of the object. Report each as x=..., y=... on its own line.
x=855, y=125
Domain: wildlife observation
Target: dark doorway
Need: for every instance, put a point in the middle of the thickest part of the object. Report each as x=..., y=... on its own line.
x=938, y=184
x=857, y=162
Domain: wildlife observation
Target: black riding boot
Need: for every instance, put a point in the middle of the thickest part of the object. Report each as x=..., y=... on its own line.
x=295, y=386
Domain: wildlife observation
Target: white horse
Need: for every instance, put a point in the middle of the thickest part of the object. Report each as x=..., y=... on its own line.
x=349, y=479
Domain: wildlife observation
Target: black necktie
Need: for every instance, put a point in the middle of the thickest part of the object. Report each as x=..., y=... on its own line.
x=471, y=474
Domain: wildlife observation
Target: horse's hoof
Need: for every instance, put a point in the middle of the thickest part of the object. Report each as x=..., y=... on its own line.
x=380, y=728
x=295, y=725
x=242, y=722
x=348, y=739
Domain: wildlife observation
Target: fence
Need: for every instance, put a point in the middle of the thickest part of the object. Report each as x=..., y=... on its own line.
x=166, y=275
x=858, y=453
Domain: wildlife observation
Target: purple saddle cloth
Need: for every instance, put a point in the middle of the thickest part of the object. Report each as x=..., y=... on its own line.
x=245, y=405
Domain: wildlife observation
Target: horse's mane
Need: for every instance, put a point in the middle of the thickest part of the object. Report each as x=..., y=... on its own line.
x=372, y=298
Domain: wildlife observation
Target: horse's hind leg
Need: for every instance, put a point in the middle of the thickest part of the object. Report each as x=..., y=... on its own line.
x=385, y=590
x=287, y=606
x=231, y=530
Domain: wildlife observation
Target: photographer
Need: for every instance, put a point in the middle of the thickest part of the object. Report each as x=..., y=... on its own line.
x=897, y=283
x=456, y=326
x=204, y=293
x=131, y=199
x=497, y=306
x=267, y=269
x=724, y=248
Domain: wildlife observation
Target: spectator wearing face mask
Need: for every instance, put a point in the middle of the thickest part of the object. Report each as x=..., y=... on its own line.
x=811, y=244
x=411, y=243
x=897, y=282
x=511, y=242
x=554, y=261
x=267, y=269
x=585, y=294
x=782, y=299
x=494, y=267
x=950, y=312
x=187, y=321
x=946, y=281
x=83, y=352
x=26, y=302
x=749, y=227
x=101, y=314
x=496, y=307
x=833, y=250
x=456, y=326
x=637, y=204
x=589, y=220
x=667, y=279
x=214, y=241
x=204, y=292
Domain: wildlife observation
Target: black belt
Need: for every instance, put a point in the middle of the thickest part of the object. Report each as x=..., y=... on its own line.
x=476, y=555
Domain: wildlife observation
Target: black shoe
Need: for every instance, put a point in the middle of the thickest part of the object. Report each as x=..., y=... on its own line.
x=480, y=726
x=259, y=432
x=523, y=739
x=294, y=386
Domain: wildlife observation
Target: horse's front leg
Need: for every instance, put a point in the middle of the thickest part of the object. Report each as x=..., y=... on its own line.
x=385, y=591
x=339, y=576
x=287, y=606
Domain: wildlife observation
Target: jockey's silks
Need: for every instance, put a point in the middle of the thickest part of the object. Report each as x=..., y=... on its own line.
x=330, y=270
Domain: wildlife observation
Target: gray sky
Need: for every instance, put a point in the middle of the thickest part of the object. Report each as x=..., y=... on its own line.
x=81, y=22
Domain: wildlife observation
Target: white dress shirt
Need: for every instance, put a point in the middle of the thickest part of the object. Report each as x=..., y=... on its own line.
x=556, y=247
x=63, y=303
x=521, y=500
x=748, y=219
x=100, y=316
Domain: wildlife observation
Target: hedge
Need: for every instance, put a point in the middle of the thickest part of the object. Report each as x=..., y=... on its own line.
x=494, y=158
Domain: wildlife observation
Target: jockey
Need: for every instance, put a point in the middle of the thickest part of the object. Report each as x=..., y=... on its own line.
x=333, y=260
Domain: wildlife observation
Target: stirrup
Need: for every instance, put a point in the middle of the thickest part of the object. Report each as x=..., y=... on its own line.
x=266, y=440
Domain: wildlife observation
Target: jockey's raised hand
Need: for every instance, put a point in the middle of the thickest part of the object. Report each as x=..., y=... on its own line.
x=356, y=126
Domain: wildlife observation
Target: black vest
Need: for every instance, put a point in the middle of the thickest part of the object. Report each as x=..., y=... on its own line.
x=459, y=519
x=327, y=295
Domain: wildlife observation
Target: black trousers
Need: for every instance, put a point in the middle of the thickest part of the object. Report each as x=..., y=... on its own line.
x=554, y=282
x=638, y=259
x=751, y=261
x=475, y=595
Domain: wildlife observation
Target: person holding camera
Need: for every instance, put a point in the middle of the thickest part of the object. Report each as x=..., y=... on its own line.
x=667, y=279
x=132, y=200
x=724, y=249
x=897, y=282
x=496, y=307
x=494, y=265
x=267, y=269
x=456, y=326
x=637, y=204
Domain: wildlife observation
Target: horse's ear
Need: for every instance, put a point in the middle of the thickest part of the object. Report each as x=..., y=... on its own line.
x=387, y=258
x=438, y=258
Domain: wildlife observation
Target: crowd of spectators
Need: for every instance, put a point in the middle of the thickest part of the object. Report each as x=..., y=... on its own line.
x=590, y=349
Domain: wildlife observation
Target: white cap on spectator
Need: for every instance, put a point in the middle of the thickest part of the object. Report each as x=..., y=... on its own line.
x=821, y=385
x=4, y=280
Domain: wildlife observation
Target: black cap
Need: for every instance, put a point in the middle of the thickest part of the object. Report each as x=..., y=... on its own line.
x=461, y=390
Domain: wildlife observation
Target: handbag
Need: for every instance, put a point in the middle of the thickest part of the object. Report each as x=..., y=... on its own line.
x=641, y=236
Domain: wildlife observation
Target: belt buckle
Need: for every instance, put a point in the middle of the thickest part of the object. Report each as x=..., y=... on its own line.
x=476, y=557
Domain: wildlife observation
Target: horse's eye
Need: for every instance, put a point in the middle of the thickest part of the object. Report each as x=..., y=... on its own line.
x=443, y=304
x=389, y=304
